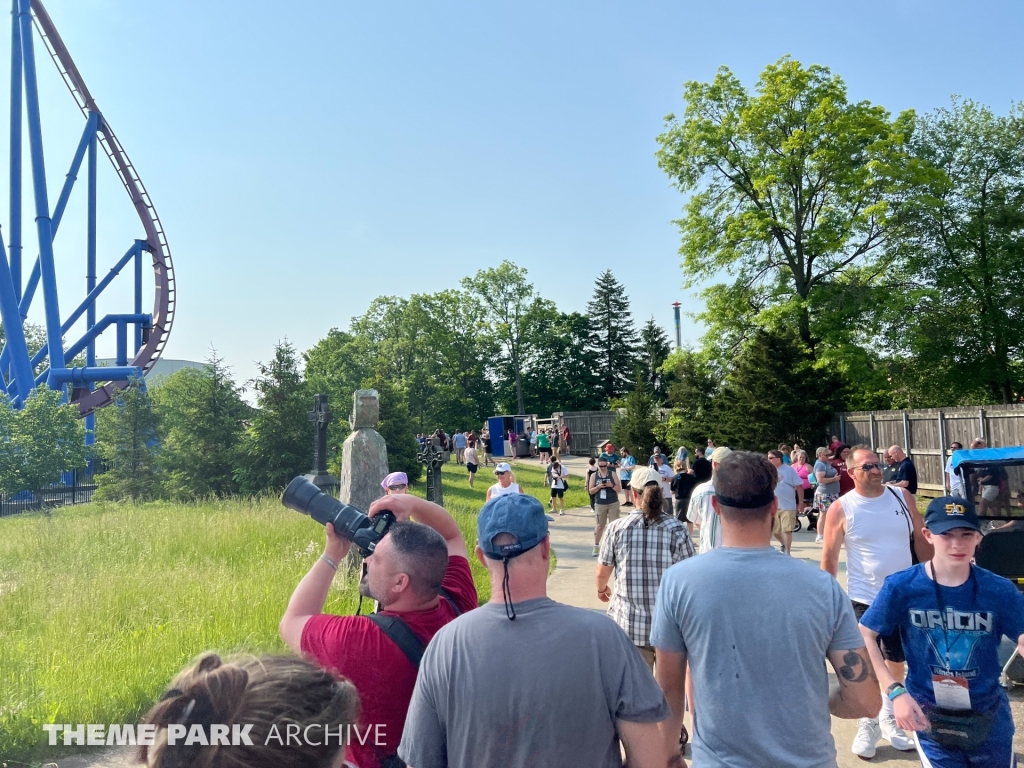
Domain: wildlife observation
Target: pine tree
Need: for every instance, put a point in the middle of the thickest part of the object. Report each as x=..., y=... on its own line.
x=278, y=444
x=203, y=421
x=692, y=394
x=775, y=394
x=634, y=429
x=654, y=350
x=613, y=342
x=129, y=446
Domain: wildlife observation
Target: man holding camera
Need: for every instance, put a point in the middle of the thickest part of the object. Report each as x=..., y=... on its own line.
x=419, y=574
x=603, y=486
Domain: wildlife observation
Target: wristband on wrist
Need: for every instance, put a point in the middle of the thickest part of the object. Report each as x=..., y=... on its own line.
x=330, y=562
x=894, y=690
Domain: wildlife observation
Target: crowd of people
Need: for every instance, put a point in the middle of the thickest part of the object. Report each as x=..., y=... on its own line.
x=525, y=681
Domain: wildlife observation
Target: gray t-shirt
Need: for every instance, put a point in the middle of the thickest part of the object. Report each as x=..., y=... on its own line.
x=542, y=691
x=756, y=625
x=830, y=471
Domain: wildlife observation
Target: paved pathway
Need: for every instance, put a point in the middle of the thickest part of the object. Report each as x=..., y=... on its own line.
x=572, y=582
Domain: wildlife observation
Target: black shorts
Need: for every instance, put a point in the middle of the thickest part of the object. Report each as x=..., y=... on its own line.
x=808, y=495
x=559, y=492
x=471, y=467
x=545, y=450
x=890, y=645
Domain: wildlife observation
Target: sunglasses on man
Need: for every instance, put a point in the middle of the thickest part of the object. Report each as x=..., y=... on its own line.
x=871, y=467
x=397, y=487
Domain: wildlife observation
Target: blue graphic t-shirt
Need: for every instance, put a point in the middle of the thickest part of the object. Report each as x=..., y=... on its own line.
x=960, y=638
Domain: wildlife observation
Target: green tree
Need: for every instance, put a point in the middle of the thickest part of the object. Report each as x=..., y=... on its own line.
x=278, y=444
x=789, y=196
x=336, y=366
x=613, y=341
x=959, y=333
x=774, y=393
x=511, y=306
x=128, y=443
x=654, y=351
x=694, y=384
x=39, y=442
x=203, y=420
x=560, y=372
x=456, y=341
x=634, y=428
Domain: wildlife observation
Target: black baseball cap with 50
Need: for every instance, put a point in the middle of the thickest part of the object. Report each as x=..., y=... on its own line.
x=947, y=513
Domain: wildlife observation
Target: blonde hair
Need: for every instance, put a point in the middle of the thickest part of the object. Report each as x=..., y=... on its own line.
x=265, y=691
x=679, y=466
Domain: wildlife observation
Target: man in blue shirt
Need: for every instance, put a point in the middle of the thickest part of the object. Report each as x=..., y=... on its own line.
x=460, y=447
x=906, y=472
x=951, y=616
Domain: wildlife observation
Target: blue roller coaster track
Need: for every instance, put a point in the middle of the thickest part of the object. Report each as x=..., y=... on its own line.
x=141, y=336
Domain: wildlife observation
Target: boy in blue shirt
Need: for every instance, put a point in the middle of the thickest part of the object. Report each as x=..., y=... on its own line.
x=951, y=616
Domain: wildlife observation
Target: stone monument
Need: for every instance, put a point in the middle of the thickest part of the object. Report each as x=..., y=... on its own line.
x=321, y=416
x=364, y=456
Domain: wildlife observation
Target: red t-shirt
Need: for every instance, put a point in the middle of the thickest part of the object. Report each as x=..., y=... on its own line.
x=356, y=648
x=845, y=481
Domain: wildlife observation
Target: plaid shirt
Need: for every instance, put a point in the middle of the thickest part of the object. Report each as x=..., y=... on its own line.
x=640, y=554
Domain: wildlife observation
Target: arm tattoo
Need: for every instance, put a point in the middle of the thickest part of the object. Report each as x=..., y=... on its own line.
x=854, y=668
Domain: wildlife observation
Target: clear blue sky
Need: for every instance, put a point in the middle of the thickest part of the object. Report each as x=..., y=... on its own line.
x=349, y=150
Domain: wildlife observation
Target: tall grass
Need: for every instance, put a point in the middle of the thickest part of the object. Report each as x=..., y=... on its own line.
x=100, y=605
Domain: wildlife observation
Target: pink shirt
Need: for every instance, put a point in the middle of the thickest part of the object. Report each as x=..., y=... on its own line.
x=803, y=470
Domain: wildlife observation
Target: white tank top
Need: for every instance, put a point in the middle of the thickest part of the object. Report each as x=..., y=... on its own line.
x=877, y=542
x=497, y=490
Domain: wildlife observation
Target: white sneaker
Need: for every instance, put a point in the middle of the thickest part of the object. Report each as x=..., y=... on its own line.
x=818, y=539
x=895, y=735
x=561, y=512
x=868, y=734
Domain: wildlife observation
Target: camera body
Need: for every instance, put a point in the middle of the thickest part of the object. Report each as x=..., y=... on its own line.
x=349, y=523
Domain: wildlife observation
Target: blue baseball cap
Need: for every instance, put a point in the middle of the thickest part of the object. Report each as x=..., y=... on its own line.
x=517, y=514
x=949, y=512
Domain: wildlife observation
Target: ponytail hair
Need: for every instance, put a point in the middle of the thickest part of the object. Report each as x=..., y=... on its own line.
x=652, y=503
x=265, y=692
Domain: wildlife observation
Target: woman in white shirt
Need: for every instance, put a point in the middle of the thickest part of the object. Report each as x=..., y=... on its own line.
x=555, y=477
x=666, y=473
x=506, y=482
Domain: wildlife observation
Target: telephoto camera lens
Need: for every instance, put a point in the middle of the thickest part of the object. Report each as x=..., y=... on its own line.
x=349, y=523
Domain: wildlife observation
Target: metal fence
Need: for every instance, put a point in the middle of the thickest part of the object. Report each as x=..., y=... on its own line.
x=925, y=434
x=78, y=490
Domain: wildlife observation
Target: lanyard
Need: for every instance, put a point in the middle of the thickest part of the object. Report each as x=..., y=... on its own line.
x=942, y=608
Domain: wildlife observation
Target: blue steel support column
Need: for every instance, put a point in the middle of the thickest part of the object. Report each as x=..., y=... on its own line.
x=138, y=299
x=122, y=343
x=90, y=285
x=48, y=273
x=11, y=318
x=15, y=194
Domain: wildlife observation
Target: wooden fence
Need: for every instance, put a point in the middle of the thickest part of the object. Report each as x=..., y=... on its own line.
x=589, y=428
x=925, y=434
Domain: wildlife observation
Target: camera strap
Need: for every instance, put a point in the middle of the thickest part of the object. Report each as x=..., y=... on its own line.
x=401, y=633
